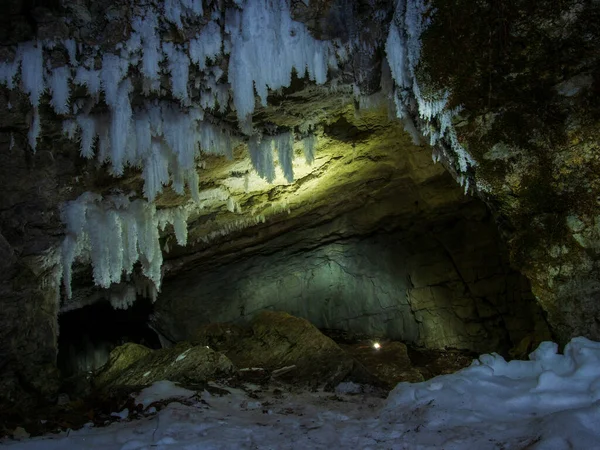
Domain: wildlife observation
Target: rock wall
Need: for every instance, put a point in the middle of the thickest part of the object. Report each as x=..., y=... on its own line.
x=527, y=76
x=446, y=285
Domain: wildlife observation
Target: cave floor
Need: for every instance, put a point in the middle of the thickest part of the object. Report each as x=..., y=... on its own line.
x=97, y=408
x=549, y=402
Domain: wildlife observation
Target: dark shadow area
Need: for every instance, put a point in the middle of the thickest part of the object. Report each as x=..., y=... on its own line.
x=87, y=335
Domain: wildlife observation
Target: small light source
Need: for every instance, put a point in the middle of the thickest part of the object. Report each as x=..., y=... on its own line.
x=376, y=345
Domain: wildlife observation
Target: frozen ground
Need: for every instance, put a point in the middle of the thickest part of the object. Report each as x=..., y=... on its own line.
x=550, y=402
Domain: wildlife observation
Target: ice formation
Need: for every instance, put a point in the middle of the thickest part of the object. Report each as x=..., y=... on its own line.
x=266, y=45
x=115, y=233
x=403, y=49
x=165, y=139
x=59, y=87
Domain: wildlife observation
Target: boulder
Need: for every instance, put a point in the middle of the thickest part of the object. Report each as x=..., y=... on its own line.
x=183, y=363
x=291, y=348
x=119, y=360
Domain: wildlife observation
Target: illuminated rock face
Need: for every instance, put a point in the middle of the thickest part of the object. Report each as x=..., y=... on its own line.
x=405, y=286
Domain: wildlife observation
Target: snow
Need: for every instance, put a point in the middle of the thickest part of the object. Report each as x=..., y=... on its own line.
x=162, y=390
x=551, y=402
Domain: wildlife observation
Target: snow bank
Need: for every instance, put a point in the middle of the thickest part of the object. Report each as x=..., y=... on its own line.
x=553, y=398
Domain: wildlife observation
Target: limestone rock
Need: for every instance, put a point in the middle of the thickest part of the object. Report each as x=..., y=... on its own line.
x=183, y=363
x=280, y=340
x=119, y=360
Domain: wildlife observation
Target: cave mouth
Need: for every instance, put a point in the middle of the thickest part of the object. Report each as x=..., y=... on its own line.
x=87, y=335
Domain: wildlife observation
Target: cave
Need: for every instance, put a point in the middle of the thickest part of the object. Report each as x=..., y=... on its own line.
x=270, y=199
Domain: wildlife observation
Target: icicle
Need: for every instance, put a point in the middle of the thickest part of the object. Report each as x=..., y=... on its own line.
x=266, y=46
x=179, y=68
x=146, y=27
x=193, y=183
x=32, y=71
x=119, y=234
x=90, y=79
x=59, y=87
x=119, y=127
x=155, y=173
x=206, y=45
x=214, y=141
x=180, y=217
x=285, y=150
x=88, y=135
x=261, y=156
x=310, y=143
x=180, y=135
x=71, y=47
x=8, y=71
x=114, y=69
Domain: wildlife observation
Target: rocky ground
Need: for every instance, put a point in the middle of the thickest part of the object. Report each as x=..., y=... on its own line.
x=279, y=355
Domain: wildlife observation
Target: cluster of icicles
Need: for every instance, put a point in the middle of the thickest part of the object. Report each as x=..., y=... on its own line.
x=165, y=139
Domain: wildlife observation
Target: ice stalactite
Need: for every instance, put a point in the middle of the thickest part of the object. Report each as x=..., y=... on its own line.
x=403, y=49
x=114, y=234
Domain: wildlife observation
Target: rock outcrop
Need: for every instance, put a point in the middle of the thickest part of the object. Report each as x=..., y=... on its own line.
x=527, y=76
x=283, y=343
x=133, y=365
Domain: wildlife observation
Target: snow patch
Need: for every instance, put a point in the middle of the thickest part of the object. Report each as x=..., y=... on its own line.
x=162, y=390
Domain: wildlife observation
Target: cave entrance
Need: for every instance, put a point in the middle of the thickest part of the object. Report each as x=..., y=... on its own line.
x=87, y=335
